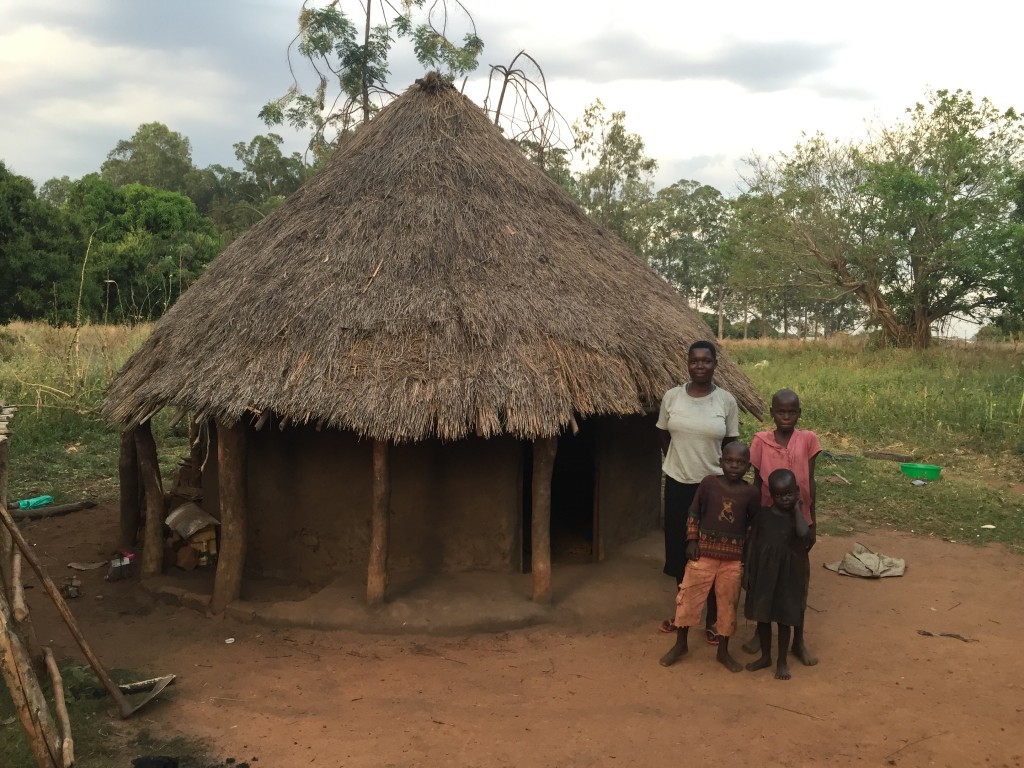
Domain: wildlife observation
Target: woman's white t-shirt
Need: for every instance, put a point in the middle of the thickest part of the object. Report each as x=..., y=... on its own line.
x=697, y=426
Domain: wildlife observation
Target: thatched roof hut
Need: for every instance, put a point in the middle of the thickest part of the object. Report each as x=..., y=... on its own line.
x=430, y=283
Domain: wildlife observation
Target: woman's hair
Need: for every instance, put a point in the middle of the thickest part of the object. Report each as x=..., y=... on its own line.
x=702, y=344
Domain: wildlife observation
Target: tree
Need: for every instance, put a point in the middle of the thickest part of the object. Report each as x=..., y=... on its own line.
x=138, y=247
x=916, y=223
x=38, y=277
x=616, y=187
x=350, y=59
x=689, y=222
x=155, y=156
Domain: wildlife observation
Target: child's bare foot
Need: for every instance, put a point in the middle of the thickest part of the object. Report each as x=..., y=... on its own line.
x=676, y=652
x=782, y=670
x=802, y=652
x=762, y=663
x=753, y=645
x=727, y=661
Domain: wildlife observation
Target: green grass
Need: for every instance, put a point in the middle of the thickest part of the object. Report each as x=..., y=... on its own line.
x=59, y=445
x=926, y=403
x=953, y=507
x=955, y=406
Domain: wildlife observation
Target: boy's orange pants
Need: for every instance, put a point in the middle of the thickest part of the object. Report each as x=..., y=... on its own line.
x=693, y=593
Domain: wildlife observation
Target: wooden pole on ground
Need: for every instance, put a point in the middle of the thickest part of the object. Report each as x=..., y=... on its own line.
x=149, y=466
x=232, y=468
x=128, y=477
x=27, y=695
x=380, y=525
x=67, y=744
x=544, y=450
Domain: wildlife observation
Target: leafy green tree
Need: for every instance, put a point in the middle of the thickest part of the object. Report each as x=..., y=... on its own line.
x=144, y=247
x=155, y=156
x=688, y=223
x=916, y=223
x=37, y=276
x=350, y=58
x=616, y=186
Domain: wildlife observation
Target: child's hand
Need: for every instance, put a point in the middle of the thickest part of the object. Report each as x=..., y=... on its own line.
x=810, y=539
x=692, y=550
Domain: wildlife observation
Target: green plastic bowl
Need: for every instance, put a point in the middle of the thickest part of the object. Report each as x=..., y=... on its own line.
x=921, y=471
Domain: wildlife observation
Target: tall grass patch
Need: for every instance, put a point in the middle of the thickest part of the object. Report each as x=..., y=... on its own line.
x=930, y=402
x=57, y=377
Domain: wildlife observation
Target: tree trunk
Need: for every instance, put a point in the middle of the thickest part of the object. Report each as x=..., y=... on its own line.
x=232, y=471
x=128, y=477
x=920, y=329
x=149, y=466
x=721, y=317
x=380, y=525
x=544, y=450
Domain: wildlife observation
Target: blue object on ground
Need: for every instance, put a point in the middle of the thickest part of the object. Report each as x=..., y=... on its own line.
x=35, y=502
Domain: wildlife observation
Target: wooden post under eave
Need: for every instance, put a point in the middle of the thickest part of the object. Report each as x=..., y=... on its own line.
x=128, y=477
x=544, y=450
x=380, y=525
x=149, y=468
x=232, y=468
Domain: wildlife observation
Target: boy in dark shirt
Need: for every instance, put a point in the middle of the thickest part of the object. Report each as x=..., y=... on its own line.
x=716, y=531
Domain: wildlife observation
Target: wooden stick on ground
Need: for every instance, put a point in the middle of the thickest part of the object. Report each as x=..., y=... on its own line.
x=26, y=693
x=67, y=745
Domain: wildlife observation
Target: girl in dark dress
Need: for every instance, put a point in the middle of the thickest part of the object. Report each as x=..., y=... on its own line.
x=777, y=570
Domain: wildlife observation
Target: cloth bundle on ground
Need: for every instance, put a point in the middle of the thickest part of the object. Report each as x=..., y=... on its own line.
x=861, y=561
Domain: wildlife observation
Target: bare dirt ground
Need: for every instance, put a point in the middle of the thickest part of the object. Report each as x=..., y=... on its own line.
x=576, y=695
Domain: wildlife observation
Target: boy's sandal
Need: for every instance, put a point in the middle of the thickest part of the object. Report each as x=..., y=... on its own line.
x=667, y=626
x=711, y=633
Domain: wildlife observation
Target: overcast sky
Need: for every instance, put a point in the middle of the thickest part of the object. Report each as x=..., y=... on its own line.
x=705, y=84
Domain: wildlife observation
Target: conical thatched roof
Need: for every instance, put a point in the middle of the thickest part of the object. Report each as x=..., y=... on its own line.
x=429, y=282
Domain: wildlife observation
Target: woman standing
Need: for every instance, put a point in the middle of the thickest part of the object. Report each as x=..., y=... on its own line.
x=696, y=420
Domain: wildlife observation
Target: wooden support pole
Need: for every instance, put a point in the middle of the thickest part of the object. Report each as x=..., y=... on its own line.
x=149, y=466
x=544, y=450
x=232, y=468
x=380, y=525
x=27, y=695
x=67, y=744
x=128, y=477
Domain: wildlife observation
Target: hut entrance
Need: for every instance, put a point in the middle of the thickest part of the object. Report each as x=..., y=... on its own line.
x=574, y=506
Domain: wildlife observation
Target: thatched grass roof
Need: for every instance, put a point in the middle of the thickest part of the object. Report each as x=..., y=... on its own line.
x=429, y=282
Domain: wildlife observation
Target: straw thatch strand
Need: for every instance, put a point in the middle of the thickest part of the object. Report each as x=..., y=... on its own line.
x=429, y=282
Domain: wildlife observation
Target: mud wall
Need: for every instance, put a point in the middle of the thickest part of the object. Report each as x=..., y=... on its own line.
x=628, y=479
x=454, y=506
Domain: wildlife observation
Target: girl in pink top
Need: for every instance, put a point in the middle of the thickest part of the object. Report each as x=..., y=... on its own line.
x=796, y=450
